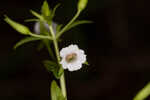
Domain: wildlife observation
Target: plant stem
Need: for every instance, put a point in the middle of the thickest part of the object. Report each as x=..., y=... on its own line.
x=41, y=36
x=62, y=78
x=71, y=21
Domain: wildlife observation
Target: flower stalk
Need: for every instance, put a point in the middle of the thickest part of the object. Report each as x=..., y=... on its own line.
x=62, y=78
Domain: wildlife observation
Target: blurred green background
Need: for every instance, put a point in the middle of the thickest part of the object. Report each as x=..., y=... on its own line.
x=117, y=45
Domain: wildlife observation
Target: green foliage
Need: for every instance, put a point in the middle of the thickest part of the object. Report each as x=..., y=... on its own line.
x=37, y=15
x=17, y=26
x=32, y=20
x=54, y=10
x=45, y=10
x=76, y=23
x=53, y=67
x=82, y=4
x=56, y=93
x=58, y=28
x=26, y=40
x=144, y=93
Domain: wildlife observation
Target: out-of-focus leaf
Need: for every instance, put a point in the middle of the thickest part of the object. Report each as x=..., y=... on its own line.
x=56, y=93
x=17, y=26
x=40, y=46
x=52, y=67
x=60, y=72
x=31, y=20
x=54, y=10
x=26, y=40
x=144, y=93
x=58, y=28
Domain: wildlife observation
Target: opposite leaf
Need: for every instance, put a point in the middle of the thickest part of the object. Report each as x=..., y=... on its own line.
x=56, y=93
x=18, y=27
x=26, y=40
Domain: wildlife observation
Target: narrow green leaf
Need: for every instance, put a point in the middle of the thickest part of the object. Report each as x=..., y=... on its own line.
x=26, y=40
x=45, y=10
x=76, y=23
x=31, y=20
x=17, y=26
x=37, y=15
x=144, y=93
x=50, y=65
x=53, y=67
x=56, y=93
x=54, y=10
x=58, y=28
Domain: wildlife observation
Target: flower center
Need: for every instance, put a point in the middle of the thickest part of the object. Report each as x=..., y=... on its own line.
x=71, y=57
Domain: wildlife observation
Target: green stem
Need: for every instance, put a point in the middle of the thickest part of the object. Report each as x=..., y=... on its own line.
x=63, y=85
x=71, y=21
x=41, y=36
x=62, y=78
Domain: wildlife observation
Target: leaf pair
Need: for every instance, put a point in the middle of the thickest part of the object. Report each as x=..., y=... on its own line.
x=53, y=67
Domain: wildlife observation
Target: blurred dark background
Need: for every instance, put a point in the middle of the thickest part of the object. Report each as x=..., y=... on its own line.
x=117, y=45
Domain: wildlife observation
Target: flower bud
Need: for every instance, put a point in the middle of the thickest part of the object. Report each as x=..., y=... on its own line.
x=17, y=26
x=82, y=4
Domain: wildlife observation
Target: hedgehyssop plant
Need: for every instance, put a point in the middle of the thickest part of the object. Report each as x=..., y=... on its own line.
x=48, y=32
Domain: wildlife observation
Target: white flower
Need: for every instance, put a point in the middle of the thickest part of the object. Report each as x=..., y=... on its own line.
x=72, y=58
